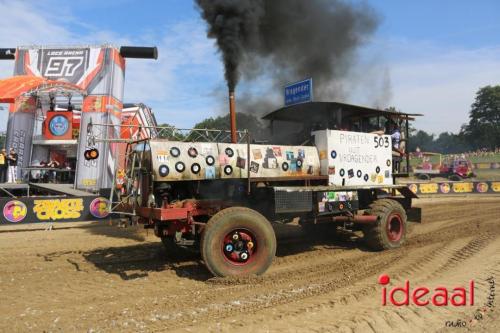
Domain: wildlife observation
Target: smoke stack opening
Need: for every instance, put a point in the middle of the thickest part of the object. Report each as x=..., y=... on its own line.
x=232, y=116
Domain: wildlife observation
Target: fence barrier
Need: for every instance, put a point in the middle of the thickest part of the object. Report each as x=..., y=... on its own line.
x=450, y=188
x=52, y=209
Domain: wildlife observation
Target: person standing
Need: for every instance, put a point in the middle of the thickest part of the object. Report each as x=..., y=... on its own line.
x=12, y=161
x=3, y=166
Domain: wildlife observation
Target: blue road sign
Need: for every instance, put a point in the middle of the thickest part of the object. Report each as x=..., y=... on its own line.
x=299, y=92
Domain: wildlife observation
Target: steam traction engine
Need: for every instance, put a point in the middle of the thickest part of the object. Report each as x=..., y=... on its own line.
x=220, y=197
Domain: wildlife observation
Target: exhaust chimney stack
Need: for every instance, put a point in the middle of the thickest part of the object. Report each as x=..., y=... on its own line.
x=232, y=116
x=8, y=54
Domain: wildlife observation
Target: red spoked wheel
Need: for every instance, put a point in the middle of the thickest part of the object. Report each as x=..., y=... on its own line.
x=389, y=231
x=238, y=241
x=239, y=246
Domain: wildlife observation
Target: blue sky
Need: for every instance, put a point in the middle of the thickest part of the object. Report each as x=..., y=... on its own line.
x=433, y=55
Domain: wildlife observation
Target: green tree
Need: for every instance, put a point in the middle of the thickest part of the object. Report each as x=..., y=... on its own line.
x=483, y=130
x=168, y=131
x=423, y=140
x=258, y=131
x=450, y=143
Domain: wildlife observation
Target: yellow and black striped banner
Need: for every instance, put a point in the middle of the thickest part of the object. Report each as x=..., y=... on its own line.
x=463, y=187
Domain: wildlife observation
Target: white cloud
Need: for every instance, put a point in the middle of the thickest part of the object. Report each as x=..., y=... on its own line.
x=440, y=83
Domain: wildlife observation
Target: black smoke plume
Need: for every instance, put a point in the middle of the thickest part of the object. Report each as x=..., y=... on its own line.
x=289, y=40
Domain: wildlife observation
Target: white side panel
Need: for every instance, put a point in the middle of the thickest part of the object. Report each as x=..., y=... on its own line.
x=353, y=158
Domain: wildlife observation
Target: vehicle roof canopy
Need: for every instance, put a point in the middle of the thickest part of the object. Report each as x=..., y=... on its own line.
x=326, y=111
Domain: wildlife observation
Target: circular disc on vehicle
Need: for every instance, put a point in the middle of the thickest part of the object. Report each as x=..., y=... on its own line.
x=229, y=152
x=333, y=154
x=342, y=172
x=195, y=168
x=299, y=163
x=228, y=170
x=175, y=152
x=192, y=152
x=359, y=174
x=210, y=160
x=180, y=167
x=377, y=169
x=163, y=170
x=284, y=166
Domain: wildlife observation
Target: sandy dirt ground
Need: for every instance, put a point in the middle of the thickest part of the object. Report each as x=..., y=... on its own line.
x=101, y=278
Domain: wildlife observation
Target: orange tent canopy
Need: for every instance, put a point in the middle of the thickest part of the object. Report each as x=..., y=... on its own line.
x=16, y=86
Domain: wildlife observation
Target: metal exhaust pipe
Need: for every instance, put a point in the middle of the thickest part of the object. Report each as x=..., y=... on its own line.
x=7, y=54
x=139, y=52
x=232, y=116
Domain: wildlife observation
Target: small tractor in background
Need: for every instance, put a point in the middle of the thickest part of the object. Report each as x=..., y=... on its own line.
x=454, y=169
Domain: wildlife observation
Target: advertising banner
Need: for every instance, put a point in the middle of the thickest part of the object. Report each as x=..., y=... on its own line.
x=53, y=209
x=100, y=71
x=468, y=187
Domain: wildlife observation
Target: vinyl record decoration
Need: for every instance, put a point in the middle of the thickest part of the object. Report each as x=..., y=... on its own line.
x=210, y=160
x=366, y=177
x=342, y=172
x=180, y=167
x=228, y=170
x=388, y=163
x=284, y=166
x=377, y=169
x=333, y=154
x=175, y=152
x=195, y=168
x=359, y=174
x=229, y=152
x=299, y=163
x=192, y=152
x=163, y=170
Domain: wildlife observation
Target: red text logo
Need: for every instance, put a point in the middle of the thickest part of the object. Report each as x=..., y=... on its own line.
x=423, y=296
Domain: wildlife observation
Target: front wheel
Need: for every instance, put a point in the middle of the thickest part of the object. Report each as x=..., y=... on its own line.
x=390, y=230
x=238, y=241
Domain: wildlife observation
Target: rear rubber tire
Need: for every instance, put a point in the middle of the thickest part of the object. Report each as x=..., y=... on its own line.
x=389, y=232
x=423, y=176
x=231, y=220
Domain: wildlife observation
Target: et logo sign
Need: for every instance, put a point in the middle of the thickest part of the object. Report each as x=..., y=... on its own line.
x=58, y=125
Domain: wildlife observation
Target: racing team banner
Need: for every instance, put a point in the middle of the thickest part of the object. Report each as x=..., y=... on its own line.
x=53, y=209
x=100, y=71
x=480, y=187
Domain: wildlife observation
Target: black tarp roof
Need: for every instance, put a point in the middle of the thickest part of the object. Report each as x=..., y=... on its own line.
x=320, y=111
